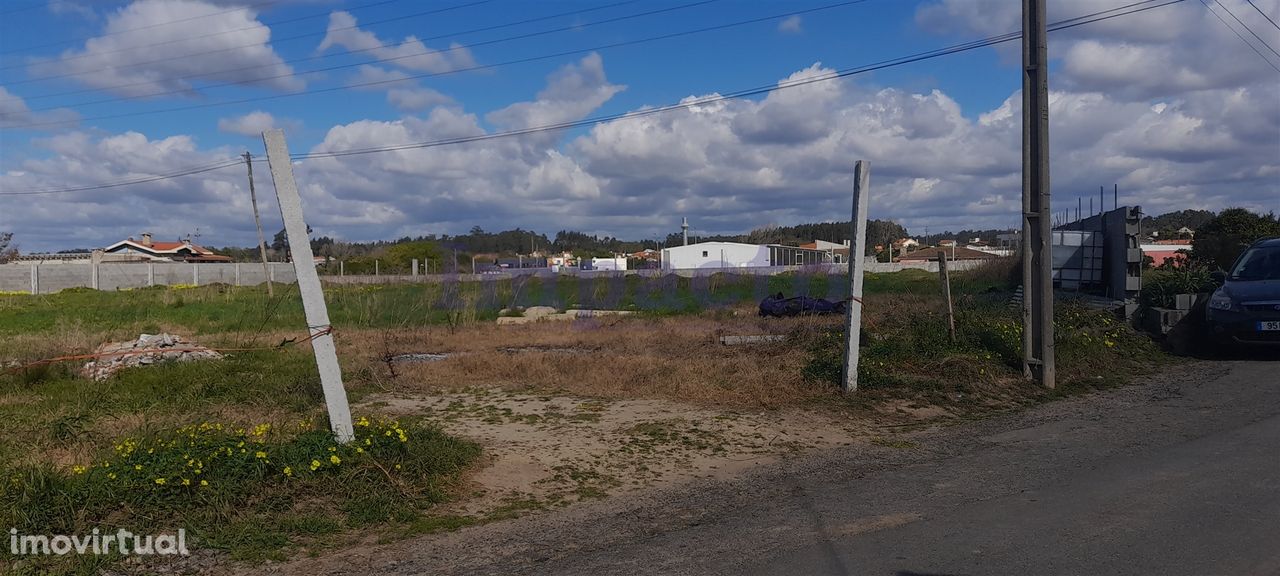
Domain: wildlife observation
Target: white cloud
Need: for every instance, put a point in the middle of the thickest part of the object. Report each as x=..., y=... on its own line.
x=153, y=46
x=14, y=112
x=410, y=53
x=254, y=124
x=790, y=25
x=405, y=94
x=729, y=166
x=72, y=8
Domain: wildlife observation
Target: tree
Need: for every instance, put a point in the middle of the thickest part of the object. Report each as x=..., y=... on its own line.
x=401, y=256
x=280, y=242
x=7, y=251
x=1220, y=240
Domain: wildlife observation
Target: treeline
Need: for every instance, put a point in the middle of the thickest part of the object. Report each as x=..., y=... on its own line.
x=1167, y=225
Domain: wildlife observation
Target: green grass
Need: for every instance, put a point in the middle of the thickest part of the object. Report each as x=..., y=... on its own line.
x=911, y=349
x=250, y=491
x=222, y=309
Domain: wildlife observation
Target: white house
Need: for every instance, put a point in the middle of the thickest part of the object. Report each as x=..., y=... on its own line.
x=715, y=255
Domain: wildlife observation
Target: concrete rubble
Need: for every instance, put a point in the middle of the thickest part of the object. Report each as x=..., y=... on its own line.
x=146, y=350
x=538, y=313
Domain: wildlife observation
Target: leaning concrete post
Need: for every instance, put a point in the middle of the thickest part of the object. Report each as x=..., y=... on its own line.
x=93, y=274
x=335, y=396
x=857, y=247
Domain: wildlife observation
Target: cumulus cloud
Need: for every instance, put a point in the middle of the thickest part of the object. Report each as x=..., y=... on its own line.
x=14, y=112
x=1155, y=53
x=727, y=165
x=790, y=25
x=222, y=45
x=405, y=94
x=254, y=124
x=217, y=202
x=410, y=53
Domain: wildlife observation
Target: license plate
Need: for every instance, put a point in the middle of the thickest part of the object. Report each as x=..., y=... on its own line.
x=1269, y=326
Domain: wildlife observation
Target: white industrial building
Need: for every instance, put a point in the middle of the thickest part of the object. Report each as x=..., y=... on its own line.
x=738, y=255
x=616, y=263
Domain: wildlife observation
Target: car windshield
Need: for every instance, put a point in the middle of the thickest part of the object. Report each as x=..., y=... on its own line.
x=1262, y=263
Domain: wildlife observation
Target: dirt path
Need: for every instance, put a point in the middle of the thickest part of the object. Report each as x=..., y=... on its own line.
x=859, y=490
x=548, y=451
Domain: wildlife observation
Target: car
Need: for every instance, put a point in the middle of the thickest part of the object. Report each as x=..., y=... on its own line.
x=1245, y=308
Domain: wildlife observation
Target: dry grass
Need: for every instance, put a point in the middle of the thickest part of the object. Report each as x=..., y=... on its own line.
x=669, y=358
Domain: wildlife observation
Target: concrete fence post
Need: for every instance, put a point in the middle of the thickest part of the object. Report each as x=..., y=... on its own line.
x=35, y=278
x=271, y=273
x=195, y=273
x=93, y=275
x=237, y=273
x=342, y=268
x=151, y=273
x=415, y=267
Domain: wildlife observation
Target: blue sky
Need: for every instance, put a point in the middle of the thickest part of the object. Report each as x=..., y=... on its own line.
x=1160, y=102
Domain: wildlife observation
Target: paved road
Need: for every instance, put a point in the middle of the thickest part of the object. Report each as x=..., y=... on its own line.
x=1180, y=475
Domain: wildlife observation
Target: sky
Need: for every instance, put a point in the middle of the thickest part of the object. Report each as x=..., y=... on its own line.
x=1178, y=106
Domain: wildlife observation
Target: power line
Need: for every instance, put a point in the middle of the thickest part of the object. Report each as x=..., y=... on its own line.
x=1246, y=27
x=148, y=26
x=321, y=56
x=1134, y=8
x=444, y=73
x=229, y=48
x=990, y=41
x=144, y=180
x=23, y=8
x=571, y=27
x=1264, y=14
x=1238, y=35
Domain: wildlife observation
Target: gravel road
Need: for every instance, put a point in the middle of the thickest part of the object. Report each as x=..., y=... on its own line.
x=1179, y=474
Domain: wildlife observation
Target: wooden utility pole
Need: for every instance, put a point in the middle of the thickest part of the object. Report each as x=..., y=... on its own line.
x=1037, y=258
x=262, y=240
x=335, y=396
x=946, y=293
x=857, y=247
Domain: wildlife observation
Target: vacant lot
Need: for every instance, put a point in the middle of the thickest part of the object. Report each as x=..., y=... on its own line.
x=468, y=421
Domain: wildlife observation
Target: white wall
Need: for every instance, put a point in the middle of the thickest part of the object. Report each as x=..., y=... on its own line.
x=718, y=255
x=609, y=263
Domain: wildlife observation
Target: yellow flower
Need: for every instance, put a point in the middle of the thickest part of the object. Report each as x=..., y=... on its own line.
x=259, y=454
x=335, y=459
x=315, y=464
x=111, y=475
x=363, y=421
x=204, y=482
x=186, y=481
x=1110, y=344
x=288, y=471
x=359, y=450
x=160, y=480
x=137, y=466
x=78, y=469
x=397, y=466
x=332, y=449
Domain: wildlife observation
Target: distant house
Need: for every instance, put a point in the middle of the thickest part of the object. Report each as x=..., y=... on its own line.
x=902, y=244
x=839, y=252
x=647, y=254
x=1173, y=252
x=953, y=253
x=148, y=249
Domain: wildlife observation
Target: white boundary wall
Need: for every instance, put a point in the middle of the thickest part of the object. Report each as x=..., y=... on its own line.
x=50, y=278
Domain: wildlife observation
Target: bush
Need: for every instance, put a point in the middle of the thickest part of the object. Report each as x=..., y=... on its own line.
x=1159, y=286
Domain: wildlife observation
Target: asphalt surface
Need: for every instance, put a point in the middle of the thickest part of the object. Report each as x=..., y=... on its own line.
x=1178, y=475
